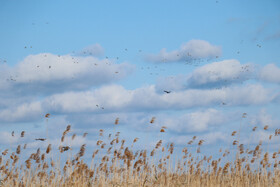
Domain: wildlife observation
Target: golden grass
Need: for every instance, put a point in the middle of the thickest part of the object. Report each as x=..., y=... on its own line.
x=120, y=165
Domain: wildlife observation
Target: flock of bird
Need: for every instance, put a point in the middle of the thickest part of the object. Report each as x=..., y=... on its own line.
x=189, y=61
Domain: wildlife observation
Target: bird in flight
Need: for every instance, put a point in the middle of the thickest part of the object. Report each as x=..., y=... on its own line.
x=41, y=139
x=167, y=91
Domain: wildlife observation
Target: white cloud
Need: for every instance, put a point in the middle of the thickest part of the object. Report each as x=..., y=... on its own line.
x=254, y=94
x=116, y=98
x=112, y=97
x=47, y=73
x=22, y=113
x=195, y=121
x=213, y=75
x=220, y=73
x=194, y=49
x=270, y=73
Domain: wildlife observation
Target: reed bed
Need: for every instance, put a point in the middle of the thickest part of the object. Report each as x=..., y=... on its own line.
x=119, y=164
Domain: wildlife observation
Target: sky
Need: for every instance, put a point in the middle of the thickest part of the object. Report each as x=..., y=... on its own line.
x=197, y=66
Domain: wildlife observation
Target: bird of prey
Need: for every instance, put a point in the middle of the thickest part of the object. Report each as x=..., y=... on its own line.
x=167, y=91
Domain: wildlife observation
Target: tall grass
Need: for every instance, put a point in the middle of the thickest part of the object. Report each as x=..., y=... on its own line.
x=121, y=165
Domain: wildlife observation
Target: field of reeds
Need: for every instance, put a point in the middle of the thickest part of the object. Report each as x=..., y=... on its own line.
x=116, y=163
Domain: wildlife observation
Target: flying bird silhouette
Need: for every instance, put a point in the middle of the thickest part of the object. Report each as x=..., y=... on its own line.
x=167, y=91
x=41, y=139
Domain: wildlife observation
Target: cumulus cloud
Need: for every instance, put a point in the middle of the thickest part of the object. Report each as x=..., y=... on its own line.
x=194, y=49
x=48, y=73
x=110, y=97
x=270, y=73
x=195, y=121
x=213, y=75
x=114, y=98
x=220, y=73
x=26, y=112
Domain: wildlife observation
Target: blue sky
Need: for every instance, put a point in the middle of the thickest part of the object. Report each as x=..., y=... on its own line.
x=219, y=59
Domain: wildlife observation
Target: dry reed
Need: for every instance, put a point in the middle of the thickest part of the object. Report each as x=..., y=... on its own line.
x=121, y=165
